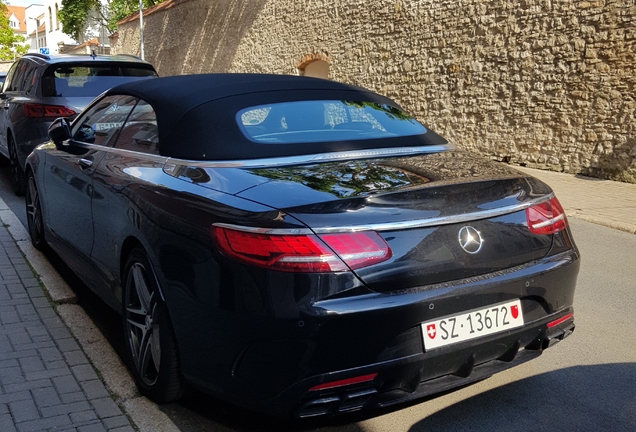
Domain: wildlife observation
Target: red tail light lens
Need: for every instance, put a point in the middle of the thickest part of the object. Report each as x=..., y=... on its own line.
x=344, y=382
x=303, y=253
x=547, y=217
x=39, y=111
x=560, y=320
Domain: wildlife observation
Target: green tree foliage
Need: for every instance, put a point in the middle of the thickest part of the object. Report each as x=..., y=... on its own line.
x=120, y=9
x=10, y=43
x=75, y=14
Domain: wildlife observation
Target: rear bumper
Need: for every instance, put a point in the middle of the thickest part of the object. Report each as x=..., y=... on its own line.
x=422, y=375
x=30, y=137
x=277, y=363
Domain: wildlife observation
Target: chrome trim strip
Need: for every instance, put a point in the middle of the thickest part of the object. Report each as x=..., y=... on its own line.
x=444, y=220
x=313, y=158
x=172, y=163
x=121, y=152
x=269, y=231
x=393, y=226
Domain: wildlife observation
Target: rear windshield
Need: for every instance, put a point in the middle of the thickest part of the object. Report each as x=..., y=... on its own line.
x=90, y=80
x=325, y=120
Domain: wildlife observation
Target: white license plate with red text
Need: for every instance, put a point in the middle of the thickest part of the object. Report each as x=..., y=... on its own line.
x=472, y=324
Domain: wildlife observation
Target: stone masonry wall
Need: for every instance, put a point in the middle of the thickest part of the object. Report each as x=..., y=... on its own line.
x=542, y=83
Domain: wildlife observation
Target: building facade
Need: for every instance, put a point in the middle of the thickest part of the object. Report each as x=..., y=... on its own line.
x=542, y=83
x=28, y=23
x=55, y=37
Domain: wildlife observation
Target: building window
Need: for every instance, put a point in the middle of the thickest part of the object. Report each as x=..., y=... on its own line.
x=57, y=18
x=314, y=65
x=50, y=20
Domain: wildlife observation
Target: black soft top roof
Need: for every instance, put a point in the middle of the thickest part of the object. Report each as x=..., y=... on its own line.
x=196, y=114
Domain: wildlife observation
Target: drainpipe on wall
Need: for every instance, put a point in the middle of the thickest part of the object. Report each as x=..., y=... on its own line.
x=141, y=29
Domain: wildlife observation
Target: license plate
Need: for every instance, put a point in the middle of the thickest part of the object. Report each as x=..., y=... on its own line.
x=472, y=324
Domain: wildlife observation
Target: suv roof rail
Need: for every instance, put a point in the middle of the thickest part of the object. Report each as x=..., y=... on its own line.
x=44, y=56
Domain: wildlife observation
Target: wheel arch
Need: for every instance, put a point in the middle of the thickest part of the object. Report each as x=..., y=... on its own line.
x=10, y=135
x=28, y=169
x=32, y=164
x=127, y=246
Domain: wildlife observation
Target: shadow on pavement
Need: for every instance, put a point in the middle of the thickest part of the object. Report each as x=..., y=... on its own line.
x=584, y=177
x=200, y=412
x=579, y=398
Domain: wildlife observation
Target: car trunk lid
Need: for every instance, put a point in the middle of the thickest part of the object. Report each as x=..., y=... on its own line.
x=444, y=216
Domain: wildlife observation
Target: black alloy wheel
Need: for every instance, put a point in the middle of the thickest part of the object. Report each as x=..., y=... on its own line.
x=18, y=182
x=150, y=341
x=34, y=214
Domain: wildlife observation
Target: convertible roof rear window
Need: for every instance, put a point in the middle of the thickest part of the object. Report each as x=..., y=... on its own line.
x=325, y=120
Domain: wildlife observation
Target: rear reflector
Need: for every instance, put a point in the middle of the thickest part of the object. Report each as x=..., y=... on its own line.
x=344, y=382
x=303, y=253
x=39, y=110
x=560, y=320
x=547, y=217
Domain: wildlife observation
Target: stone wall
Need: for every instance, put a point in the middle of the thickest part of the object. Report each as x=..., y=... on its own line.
x=542, y=83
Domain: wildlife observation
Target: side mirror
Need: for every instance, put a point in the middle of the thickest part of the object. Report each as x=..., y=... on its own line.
x=60, y=131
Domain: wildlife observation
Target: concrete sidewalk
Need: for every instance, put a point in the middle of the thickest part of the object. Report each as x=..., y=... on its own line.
x=57, y=372
x=603, y=202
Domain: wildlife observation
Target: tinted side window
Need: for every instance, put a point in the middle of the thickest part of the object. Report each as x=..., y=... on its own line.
x=102, y=122
x=30, y=78
x=17, y=77
x=7, y=81
x=140, y=132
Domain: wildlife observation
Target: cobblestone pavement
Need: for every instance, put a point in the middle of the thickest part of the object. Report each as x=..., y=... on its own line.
x=46, y=381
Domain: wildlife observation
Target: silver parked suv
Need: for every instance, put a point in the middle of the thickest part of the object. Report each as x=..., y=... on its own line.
x=40, y=88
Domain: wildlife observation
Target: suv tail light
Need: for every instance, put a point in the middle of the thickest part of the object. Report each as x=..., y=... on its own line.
x=39, y=110
x=547, y=217
x=305, y=252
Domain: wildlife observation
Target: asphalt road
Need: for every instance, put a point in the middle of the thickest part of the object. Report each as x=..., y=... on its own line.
x=586, y=383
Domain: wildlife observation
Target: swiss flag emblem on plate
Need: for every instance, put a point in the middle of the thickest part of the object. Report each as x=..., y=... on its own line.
x=430, y=331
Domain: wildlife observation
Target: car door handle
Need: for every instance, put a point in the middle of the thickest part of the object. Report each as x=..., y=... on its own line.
x=85, y=163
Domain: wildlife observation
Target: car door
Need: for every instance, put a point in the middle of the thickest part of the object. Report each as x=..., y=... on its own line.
x=131, y=165
x=68, y=181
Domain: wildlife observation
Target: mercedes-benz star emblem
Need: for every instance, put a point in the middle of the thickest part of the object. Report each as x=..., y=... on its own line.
x=470, y=240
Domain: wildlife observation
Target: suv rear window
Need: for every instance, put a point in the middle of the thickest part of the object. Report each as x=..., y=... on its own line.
x=325, y=120
x=90, y=79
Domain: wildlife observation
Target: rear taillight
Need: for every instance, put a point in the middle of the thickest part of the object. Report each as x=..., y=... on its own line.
x=547, y=217
x=344, y=382
x=39, y=110
x=558, y=321
x=303, y=253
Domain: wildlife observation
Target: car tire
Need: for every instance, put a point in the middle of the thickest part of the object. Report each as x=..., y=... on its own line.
x=35, y=222
x=18, y=181
x=151, y=345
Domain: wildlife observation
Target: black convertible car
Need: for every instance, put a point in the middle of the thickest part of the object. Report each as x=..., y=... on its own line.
x=298, y=246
